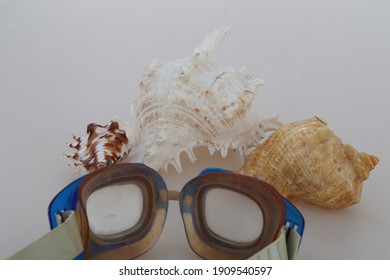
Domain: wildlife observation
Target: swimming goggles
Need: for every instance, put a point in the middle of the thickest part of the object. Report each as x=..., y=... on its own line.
x=72, y=237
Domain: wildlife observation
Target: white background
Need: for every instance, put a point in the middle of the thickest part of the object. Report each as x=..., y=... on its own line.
x=64, y=64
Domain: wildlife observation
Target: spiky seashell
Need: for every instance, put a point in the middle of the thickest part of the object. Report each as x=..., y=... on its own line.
x=183, y=104
x=103, y=146
x=306, y=160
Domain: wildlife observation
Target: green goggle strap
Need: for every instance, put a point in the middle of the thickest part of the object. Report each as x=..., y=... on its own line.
x=64, y=243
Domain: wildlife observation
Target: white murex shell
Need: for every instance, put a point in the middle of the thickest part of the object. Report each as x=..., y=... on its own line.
x=183, y=104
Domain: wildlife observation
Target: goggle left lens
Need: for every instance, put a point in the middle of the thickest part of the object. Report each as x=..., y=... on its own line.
x=139, y=232
x=115, y=209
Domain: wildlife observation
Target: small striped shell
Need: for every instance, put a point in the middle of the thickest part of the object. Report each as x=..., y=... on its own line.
x=183, y=104
x=104, y=145
x=306, y=160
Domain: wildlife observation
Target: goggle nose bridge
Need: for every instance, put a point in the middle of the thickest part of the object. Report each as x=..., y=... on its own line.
x=173, y=195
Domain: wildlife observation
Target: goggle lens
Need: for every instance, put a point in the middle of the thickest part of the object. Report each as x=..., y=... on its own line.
x=204, y=240
x=136, y=233
x=115, y=209
x=233, y=216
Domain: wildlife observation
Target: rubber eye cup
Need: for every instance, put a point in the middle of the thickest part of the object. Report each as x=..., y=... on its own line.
x=209, y=245
x=138, y=239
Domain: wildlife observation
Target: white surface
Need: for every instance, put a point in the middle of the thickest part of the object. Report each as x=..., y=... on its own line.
x=64, y=64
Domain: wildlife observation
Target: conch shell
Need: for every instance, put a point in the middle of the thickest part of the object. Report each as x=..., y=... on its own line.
x=183, y=104
x=306, y=160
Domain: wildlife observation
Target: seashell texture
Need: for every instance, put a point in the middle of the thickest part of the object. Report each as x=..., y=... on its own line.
x=183, y=104
x=306, y=160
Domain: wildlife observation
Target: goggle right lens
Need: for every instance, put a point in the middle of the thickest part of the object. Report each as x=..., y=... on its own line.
x=233, y=216
x=209, y=244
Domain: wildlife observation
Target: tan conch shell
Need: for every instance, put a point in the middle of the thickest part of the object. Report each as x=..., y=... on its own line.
x=306, y=160
x=183, y=104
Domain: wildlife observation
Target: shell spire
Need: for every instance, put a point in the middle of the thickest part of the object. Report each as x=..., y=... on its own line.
x=187, y=103
x=208, y=50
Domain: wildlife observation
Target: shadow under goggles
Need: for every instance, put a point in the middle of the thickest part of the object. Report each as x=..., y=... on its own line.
x=280, y=237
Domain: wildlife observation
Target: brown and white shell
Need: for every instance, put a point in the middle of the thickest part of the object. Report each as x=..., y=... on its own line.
x=306, y=160
x=183, y=104
x=104, y=145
